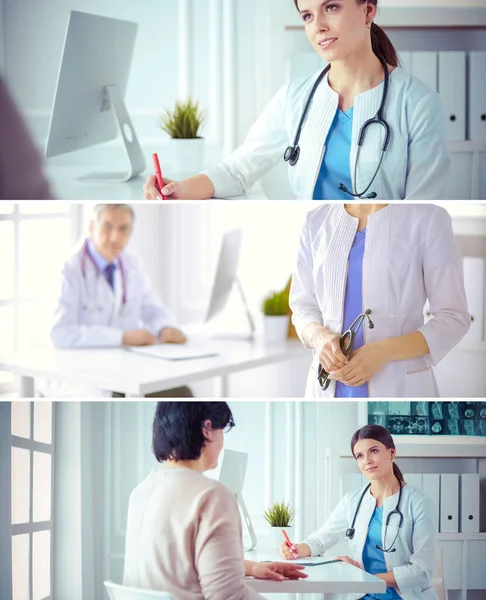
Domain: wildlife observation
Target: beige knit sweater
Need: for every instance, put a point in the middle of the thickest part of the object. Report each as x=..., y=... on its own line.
x=184, y=537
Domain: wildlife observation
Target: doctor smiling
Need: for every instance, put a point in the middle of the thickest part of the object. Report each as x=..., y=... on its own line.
x=369, y=269
x=106, y=297
x=390, y=524
x=360, y=128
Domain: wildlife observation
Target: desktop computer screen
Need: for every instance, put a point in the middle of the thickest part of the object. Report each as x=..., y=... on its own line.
x=88, y=105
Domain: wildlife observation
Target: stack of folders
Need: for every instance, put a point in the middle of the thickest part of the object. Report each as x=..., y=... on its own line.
x=456, y=497
x=459, y=79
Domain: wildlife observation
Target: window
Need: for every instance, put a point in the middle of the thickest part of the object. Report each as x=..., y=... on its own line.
x=35, y=239
x=31, y=499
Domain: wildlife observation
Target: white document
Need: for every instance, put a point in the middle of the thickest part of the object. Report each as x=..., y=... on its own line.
x=186, y=351
x=477, y=96
x=414, y=479
x=431, y=487
x=474, y=283
x=449, y=503
x=424, y=67
x=452, y=89
x=470, y=503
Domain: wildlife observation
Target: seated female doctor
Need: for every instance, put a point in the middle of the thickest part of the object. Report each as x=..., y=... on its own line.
x=364, y=128
x=368, y=269
x=390, y=525
x=184, y=530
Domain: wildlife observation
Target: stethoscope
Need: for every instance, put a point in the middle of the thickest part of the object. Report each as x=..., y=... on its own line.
x=87, y=256
x=292, y=153
x=346, y=342
x=396, y=511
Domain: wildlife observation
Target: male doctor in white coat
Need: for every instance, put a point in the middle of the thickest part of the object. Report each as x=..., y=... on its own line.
x=106, y=297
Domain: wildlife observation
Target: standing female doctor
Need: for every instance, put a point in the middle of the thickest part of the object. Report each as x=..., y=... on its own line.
x=390, y=525
x=363, y=128
x=370, y=268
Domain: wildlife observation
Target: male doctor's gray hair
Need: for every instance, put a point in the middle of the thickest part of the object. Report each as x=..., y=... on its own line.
x=100, y=208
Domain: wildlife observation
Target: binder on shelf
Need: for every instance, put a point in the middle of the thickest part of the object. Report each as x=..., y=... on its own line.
x=470, y=503
x=303, y=64
x=452, y=89
x=414, y=479
x=477, y=96
x=474, y=283
x=431, y=487
x=350, y=482
x=406, y=61
x=449, y=503
x=424, y=67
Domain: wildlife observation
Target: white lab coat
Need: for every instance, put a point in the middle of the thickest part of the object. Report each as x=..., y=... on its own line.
x=413, y=560
x=410, y=256
x=90, y=315
x=415, y=166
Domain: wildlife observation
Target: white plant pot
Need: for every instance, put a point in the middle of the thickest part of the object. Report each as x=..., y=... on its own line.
x=275, y=329
x=187, y=155
x=277, y=536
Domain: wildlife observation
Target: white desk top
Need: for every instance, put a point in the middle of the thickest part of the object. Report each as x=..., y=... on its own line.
x=334, y=578
x=116, y=369
x=66, y=186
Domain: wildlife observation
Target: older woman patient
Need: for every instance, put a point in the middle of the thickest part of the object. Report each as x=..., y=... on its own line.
x=184, y=529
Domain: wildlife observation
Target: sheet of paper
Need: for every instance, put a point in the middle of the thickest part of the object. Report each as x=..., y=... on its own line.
x=187, y=351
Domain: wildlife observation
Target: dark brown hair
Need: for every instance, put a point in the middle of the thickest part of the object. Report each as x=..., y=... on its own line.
x=379, y=434
x=380, y=42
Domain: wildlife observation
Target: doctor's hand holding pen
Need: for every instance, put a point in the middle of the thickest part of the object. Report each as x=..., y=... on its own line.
x=294, y=551
x=199, y=187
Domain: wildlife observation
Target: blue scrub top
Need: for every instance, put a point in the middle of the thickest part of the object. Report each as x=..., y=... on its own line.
x=353, y=306
x=335, y=164
x=374, y=559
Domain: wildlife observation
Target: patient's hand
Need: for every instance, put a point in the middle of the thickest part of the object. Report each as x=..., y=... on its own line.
x=168, y=335
x=173, y=190
x=274, y=570
x=350, y=561
x=138, y=337
x=297, y=551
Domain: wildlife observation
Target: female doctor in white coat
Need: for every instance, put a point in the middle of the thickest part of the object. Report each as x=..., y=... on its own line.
x=371, y=268
x=365, y=129
x=390, y=525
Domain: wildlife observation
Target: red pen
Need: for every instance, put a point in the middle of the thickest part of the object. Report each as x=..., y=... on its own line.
x=158, y=175
x=289, y=543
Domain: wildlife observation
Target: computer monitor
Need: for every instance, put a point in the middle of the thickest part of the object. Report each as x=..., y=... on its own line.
x=226, y=277
x=88, y=105
x=231, y=473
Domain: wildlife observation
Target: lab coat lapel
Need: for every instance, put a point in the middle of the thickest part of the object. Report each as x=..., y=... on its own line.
x=314, y=132
x=99, y=289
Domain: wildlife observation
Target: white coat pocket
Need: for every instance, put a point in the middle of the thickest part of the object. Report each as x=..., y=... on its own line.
x=420, y=384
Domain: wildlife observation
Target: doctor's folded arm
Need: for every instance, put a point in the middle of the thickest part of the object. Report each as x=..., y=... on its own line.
x=362, y=127
x=364, y=273
x=106, y=299
x=389, y=524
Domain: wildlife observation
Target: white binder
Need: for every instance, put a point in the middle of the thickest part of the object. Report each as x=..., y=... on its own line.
x=470, y=503
x=474, y=283
x=431, y=487
x=414, y=479
x=424, y=67
x=477, y=96
x=452, y=89
x=449, y=503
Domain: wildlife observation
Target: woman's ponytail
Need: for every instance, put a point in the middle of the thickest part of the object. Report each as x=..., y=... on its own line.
x=382, y=46
x=397, y=472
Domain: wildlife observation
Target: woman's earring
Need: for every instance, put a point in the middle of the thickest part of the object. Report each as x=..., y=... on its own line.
x=369, y=25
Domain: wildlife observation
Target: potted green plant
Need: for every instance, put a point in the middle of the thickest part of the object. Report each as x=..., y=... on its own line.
x=275, y=309
x=183, y=124
x=280, y=516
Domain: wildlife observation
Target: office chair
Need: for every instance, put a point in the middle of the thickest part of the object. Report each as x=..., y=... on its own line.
x=437, y=580
x=122, y=592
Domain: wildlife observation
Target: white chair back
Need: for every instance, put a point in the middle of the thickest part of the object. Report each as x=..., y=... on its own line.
x=122, y=592
x=438, y=582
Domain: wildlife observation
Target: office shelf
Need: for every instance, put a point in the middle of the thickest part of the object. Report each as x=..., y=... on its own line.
x=461, y=537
